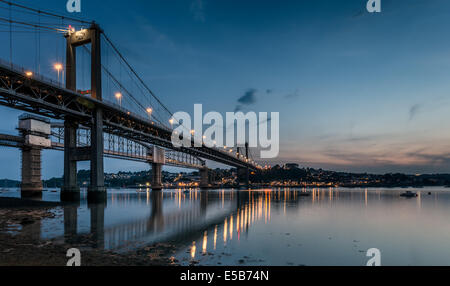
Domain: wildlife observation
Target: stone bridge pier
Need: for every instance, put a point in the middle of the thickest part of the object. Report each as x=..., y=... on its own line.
x=158, y=160
x=205, y=178
x=35, y=132
x=243, y=177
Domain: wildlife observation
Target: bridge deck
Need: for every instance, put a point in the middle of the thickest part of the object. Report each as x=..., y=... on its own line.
x=45, y=97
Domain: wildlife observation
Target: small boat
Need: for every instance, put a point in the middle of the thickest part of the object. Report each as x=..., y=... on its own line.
x=408, y=194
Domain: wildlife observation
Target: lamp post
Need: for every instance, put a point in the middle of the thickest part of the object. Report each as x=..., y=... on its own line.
x=149, y=112
x=118, y=96
x=58, y=67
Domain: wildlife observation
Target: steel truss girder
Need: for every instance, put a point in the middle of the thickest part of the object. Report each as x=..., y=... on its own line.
x=42, y=97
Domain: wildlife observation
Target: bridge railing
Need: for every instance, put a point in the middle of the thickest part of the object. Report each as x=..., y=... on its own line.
x=22, y=70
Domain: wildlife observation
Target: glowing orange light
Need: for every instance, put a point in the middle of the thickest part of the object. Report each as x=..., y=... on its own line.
x=58, y=67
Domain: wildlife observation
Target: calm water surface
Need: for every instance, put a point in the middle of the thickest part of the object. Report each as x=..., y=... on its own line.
x=264, y=227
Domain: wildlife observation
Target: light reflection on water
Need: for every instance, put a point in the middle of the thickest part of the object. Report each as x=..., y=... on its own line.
x=264, y=227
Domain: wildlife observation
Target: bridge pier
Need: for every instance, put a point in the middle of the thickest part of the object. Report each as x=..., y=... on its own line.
x=31, y=185
x=157, y=176
x=243, y=177
x=70, y=190
x=97, y=190
x=204, y=178
x=35, y=131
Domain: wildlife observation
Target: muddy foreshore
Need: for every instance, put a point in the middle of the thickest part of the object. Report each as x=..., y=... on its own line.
x=19, y=247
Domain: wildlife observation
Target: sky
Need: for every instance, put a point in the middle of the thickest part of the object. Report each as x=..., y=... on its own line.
x=356, y=91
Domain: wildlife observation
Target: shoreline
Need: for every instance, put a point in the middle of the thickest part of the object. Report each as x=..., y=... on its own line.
x=19, y=247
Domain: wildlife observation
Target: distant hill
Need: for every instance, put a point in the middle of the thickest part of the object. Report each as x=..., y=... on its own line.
x=5, y=183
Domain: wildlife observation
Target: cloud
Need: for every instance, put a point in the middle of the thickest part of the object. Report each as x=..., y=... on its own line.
x=414, y=110
x=198, y=10
x=249, y=97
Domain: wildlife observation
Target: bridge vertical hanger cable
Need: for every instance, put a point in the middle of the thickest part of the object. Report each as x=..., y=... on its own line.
x=83, y=83
x=39, y=43
x=36, y=49
x=10, y=36
x=63, y=80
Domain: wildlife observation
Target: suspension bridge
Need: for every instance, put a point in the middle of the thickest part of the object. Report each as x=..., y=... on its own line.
x=99, y=104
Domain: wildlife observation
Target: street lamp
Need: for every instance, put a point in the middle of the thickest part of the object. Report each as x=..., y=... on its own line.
x=149, y=112
x=29, y=73
x=59, y=68
x=118, y=96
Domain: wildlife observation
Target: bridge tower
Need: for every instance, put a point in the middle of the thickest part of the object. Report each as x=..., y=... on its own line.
x=94, y=153
x=244, y=173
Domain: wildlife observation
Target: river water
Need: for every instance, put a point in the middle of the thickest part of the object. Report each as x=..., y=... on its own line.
x=264, y=227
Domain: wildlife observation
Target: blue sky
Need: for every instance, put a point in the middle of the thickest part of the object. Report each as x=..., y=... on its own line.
x=355, y=91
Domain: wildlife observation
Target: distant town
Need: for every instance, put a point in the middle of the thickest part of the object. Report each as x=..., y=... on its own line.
x=288, y=175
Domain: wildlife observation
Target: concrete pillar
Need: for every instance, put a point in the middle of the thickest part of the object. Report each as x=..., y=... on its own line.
x=243, y=177
x=35, y=131
x=70, y=190
x=31, y=185
x=97, y=190
x=204, y=178
x=156, y=176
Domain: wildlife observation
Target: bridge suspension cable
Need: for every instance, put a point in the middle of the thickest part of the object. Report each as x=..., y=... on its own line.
x=136, y=74
x=53, y=29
